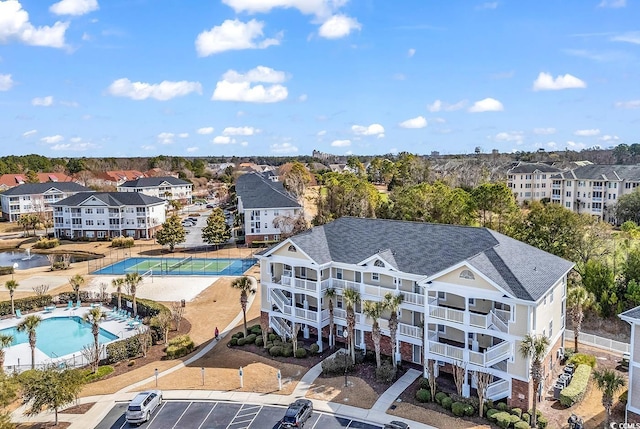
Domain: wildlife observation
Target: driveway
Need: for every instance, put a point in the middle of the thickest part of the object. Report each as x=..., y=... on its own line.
x=223, y=415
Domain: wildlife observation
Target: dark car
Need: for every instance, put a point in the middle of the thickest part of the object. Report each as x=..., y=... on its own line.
x=396, y=424
x=297, y=414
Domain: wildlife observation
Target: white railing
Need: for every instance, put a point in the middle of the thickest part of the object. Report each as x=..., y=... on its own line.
x=599, y=342
x=280, y=327
x=325, y=284
x=445, y=313
x=413, y=298
x=490, y=356
x=285, y=281
x=478, y=320
x=324, y=315
x=305, y=284
x=498, y=389
x=301, y=313
x=340, y=313
x=409, y=330
x=497, y=353
x=498, y=322
x=281, y=301
x=446, y=350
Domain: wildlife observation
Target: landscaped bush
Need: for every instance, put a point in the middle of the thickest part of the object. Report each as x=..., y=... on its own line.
x=272, y=337
x=46, y=243
x=446, y=403
x=179, y=346
x=146, y=307
x=287, y=351
x=514, y=419
x=25, y=304
x=335, y=365
x=102, y=372
x=491, y=412
x=502, y=419
x=122, y=242
x=256, y=329
x=241, y=341
x=386, y=373
x=582, y=358
x=624, y=396
x=233, y=341
x=575, y=391
x=517, y=412
x=250, y=339
x=239, y=335
x=502, y=406
x=314, y=349
x=301, y=352
x=542, y=422
x=269, y=344
x=457, y=408
x=124, y=349
x=275, y=351
x=521, y=425
x=6, y=270
x=440, y=396
x=423, y=395
x=526, y=417
x=424, y=383
x=259, y=341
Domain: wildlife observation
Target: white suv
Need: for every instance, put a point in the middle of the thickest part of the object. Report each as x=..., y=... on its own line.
x=141, y=407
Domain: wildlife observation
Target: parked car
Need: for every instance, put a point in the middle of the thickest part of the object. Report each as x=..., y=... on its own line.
x=142, y=406
x=297, y=414
x=396, y=424
x=211, y=206
x=188, y=223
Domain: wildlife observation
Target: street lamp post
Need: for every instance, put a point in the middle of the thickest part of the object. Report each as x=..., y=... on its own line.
x=156, y=373
x=345, y=334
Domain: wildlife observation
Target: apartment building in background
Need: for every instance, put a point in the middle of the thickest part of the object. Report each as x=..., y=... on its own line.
x=168, y=188
x=105, y=215
x=10, y=180
x=476, y=292
x=29, y=198
x=531, y=181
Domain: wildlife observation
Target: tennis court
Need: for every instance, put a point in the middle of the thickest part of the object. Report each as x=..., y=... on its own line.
x=179, y=266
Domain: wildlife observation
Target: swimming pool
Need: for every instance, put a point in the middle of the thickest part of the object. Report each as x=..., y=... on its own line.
x=59, y=336
x=180, y=267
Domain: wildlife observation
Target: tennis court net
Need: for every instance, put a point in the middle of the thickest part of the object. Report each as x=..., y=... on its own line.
x=180, y=263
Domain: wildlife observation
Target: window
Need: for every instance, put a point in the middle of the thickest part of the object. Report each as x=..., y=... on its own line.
x=466, y=274
x=551, y=296
x=358, y=277
x=551, y=329
x=472, y=302
x=442, y=328
x=442, y=295
x=100, y=211
x=292, y=248
x=88, y=211
x=568, y=194
x=378, y=263
x=544, y=301
x=88, y=222
x=276, y=213
x=375, y=277
x=339, y=273
x=303, y=272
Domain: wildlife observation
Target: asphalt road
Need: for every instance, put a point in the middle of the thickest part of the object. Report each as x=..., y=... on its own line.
x=223, y=415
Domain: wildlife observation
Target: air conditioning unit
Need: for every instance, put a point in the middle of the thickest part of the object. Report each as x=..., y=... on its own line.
x=560, y=353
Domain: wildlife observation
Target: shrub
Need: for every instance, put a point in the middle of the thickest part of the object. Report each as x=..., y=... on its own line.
x=287, y=351
x=526, y=417
x=117, y=351
x=575, y=391
x=239, y=334
x=241, y=341
x=542, y=422
x=458, y=409
x=257, y=330
x=102, y=372
x=514, y=419
x=517, y=412
x=253, y=327
x=122, y=242
x=234, y=341
x=502, y=406
x=503, y=419
x=624, y=396
x=146, y=307
x=491, y=412
x=386, y=373
x=179, y=346
x=301, y=353
x=424, y=383
x=275, y=351
x=423, y=395
x=259, y=341
x=335, y=365
x=26, y=304
x=469, y=410
x=131, y=362
x=521, y=425
x=6, y=270
x=250, y=339
x=314, y=349
x=440, y=396
x=269, y=344
x=272, y=337
x=46, y=243
x=583, y=359
x=446, y=403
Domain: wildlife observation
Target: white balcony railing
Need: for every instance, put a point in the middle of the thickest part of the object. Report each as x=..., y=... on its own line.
x=444, y=313
x=311, y=285
x=310, y=315
x=280, y=327
x=490, y=356
x=497, y=353
x=341, y=314
x=409, y=330
x=498, y=389
x=446, y=350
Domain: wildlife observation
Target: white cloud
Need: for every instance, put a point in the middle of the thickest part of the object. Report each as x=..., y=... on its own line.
x=487, y=5
x=303, y=98
x=608, y=138
x=233, y=35
x=86, y=37
x=75, y=139
x=338, y=26
x=614, y=4
x=544, y=131
x=15, y=25
x=29, y=133
x=587, y=133
x=283, y=148
x=632, y=104
x=6, y=82
x=439, y=120
x=411, y=52
x=436, y=106
x=205, y=130
x=43, y=101
x=510, y=136
x=223, y=140
x=76, y=147
x=244, y=144
x=321, y=133
x=486, y=105
x=52, y=139
x=575, y=145
x=417, y=122
x=546, y=82
x=165, y=138
x=70, y=103
x=183, y=135
x=341, y=143
x=371, y=130
x=240, y=131
x=192, y=149
x=320, y=8
x=630, y=37
x=439, y=105
x=236, y=86
x=399, y=76
x=165, y=90
x=74, y=7
x=552, y=145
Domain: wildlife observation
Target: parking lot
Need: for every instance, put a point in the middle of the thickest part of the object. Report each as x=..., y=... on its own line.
x=223, y=415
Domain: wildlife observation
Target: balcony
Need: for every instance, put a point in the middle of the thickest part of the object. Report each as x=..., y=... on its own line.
x=409, y=330
x=495, y=319
x=340, y=314
x=596, y=199
x=302, y=284
x=457, y=352
x=556, y=186
x=368, y=291
x=498, y=389
x=597, y=188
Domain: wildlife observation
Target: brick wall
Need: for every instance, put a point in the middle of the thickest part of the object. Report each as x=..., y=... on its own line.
x=406, y=349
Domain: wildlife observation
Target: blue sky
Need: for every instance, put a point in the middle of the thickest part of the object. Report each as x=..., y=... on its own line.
x=283, y=77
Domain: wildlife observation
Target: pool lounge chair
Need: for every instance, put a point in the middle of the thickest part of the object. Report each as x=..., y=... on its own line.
x=78, y=304
x=70, y=305
x=49, y=308
x=18, y=313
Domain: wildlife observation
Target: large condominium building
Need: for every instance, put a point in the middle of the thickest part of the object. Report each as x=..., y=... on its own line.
x=168, y=188
x=35, y=198
x=104, y=215
x=531, y=182
x=261, y=200
x=476, y=292
x=595, y=189
x=633, y=397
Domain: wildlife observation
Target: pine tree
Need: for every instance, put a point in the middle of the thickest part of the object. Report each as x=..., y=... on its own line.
x=216, y=231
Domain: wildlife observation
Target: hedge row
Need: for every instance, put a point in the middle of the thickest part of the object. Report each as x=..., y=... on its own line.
x=179, y=346
x=122, y=242
x=30, y=303
x=6, y=270
x=124, y=349
x=146, y=307
x=582, y=358
x=575, y=391
x=46, y=243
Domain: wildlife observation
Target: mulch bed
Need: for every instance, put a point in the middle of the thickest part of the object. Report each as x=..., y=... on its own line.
x=61, y=425
x=307, y=362
x=78, y=409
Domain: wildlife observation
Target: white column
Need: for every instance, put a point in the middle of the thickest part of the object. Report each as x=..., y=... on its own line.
x=466, y=390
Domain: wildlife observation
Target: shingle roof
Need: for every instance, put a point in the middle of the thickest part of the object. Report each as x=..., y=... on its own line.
x=634, y=313
x=113, y=199
x=40, y=188
x=603, y=172
x=154, y=181
x=528, y=168
x=427, y=249
x=258, y=192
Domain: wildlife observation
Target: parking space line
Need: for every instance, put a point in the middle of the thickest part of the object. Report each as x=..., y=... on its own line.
x=215, y=404
x=316, y=422
x=156, y=412
x=245, y=408
x=254, y=417
x=185, y=410
x=349, y=424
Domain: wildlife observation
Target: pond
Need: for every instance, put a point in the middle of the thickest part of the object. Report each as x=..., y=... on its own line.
x=26, y=259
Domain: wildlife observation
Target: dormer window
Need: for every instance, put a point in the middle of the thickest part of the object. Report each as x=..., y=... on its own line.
x=466, y=274
x=292, y=248
x=378, y=263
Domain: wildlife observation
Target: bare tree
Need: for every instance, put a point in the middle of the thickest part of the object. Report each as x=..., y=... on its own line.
x=41, y=289
x=431, y=376
x=144, y=339
x=177, y=313
x=294, y=336
x=163, y=321
x=103, y=291
x=92, y=353
x=290, y=225
x=483, y=379
x=459, y=370
x=52, y=258
x=66, y=259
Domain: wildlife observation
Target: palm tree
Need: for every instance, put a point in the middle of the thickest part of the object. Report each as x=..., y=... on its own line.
x=245, y=286
x=75, y=282
x=133, y=280
x=578, y=300
x=534, y=347
x=393, y=302
x=330, y=294
x=5, y=341
x=351, y=298
x=374, y=310
x=11, y=285
x=117, y=283
x=94, y=317
x=29, y=325
x=609, y=383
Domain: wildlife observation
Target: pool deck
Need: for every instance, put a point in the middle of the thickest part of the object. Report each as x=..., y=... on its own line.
x=160, y=288
x=19, y=356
